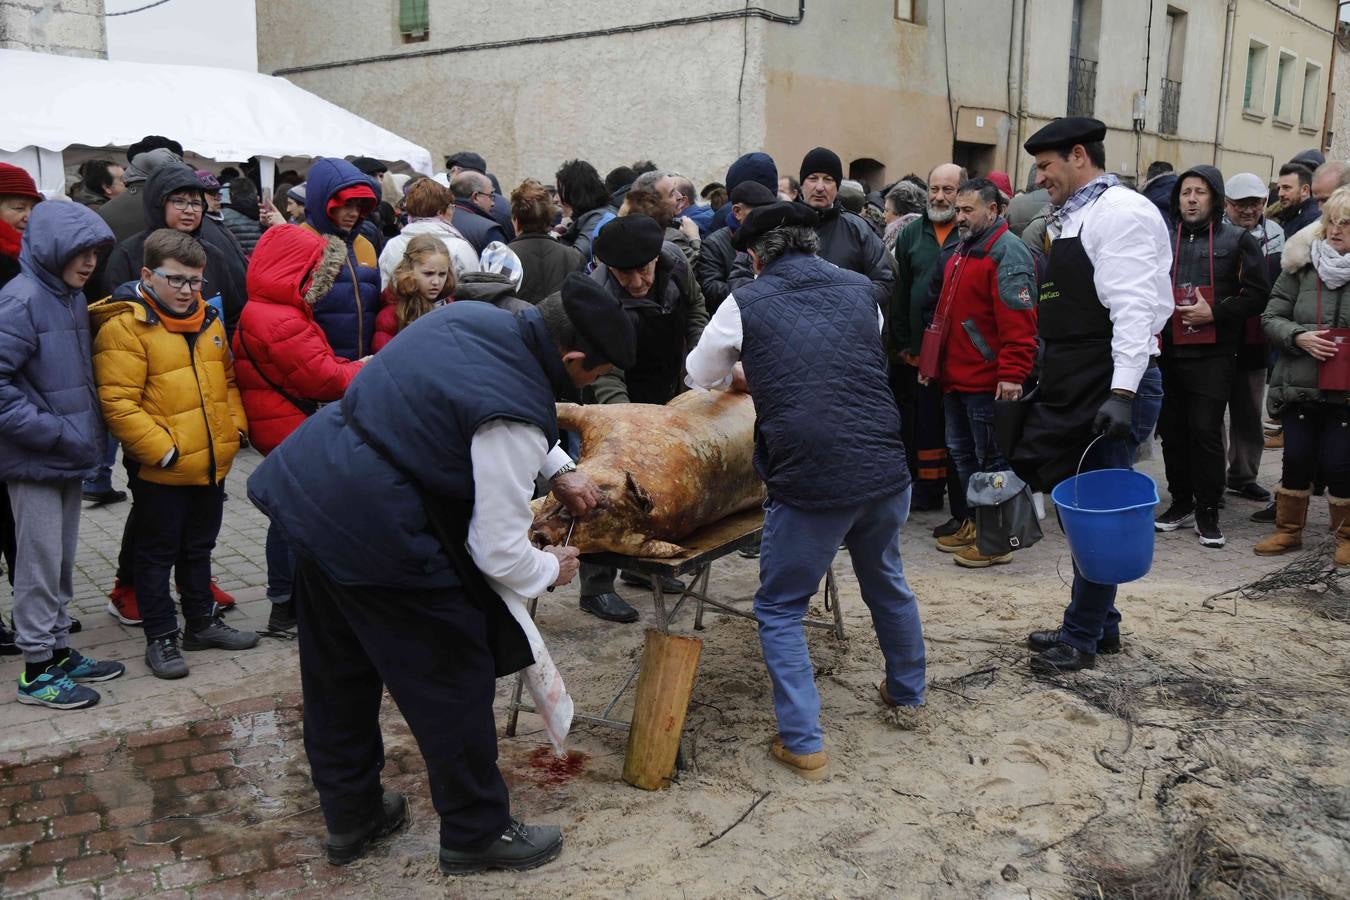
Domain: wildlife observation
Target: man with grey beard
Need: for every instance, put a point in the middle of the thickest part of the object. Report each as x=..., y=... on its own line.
x=921, y=250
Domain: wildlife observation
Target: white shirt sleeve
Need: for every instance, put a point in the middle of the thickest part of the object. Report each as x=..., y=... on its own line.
x=1132, y=263
x=555, y=460
x=710, y=363
x=506, y=455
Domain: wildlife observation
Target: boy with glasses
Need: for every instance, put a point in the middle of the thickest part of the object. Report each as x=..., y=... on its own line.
x=166, y=386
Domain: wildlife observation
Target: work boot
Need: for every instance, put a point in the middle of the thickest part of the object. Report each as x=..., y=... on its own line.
x=1062, y=658
x=519, y=848
x=1044, y=640
x=811, y=766
x=1340, y=526
x=972, y=558
x=164, y=659
x=349, y=846
x=1291, y=514
x=963, y=538
x=203, y=634
x=610, y=607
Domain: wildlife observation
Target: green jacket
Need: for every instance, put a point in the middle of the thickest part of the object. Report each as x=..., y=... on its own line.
x=916, y=256
x=1291, y=311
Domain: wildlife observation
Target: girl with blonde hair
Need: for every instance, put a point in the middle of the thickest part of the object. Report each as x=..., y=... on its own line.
x=422, y=280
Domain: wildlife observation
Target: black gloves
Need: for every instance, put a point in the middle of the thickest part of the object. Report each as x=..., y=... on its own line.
x=1114, y=417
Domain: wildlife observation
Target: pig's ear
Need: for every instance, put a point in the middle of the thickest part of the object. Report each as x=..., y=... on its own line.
x=641, y=499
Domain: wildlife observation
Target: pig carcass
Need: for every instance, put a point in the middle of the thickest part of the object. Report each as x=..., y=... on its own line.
x=665, y=472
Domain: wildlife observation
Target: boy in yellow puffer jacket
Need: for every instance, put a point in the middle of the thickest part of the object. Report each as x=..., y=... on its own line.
x=166, y=386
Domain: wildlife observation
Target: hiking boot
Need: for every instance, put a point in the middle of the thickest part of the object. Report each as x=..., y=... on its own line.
x=972, y=558
x=963, y=537
x=948, y=528
x=811, y=766
x=610, y=607
x=1291, y=514
x=1062, y=658
x=348, y=847
x=1250, y=491
x=282, y=617
x=54, y=689
x=122, y=604
x=1340, y=526
x=1178, y=515
x=1264, y=515
x=212, y=632
x=164, y=659
x=82, y=669
x=1207, y=526
x=1044, y=640
x=669, y=585
x=519, y=848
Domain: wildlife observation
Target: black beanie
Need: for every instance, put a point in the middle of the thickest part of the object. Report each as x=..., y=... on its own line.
x=822, y=160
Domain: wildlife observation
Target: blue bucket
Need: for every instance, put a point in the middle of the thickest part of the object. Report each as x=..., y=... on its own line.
x=1107, y=515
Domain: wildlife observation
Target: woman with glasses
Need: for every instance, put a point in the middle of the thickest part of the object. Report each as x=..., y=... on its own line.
x=1308, y=319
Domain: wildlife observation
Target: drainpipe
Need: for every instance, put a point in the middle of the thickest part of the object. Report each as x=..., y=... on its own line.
x=1021, y=97
x=1221, y=119
x=1331, y=78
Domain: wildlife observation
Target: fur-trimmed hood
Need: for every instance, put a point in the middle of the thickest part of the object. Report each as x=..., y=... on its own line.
x=293, y=266
x=1298, y=249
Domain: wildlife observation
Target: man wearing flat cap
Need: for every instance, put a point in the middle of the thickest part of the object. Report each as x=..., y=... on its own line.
x=651, y=279
x=407, y=503
x=804, y=338
x=1105, y=296
x=845, y=238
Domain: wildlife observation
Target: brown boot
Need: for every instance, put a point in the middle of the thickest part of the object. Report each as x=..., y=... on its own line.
x=1340, y=526
x=1291, y=513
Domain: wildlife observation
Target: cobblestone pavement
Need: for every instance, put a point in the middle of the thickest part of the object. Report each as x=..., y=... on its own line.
x=161, y=786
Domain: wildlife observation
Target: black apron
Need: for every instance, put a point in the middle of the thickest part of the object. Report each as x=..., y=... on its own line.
x=1076, y=369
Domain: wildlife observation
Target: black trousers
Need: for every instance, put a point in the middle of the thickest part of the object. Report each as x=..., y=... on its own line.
x=1195, y=393
x=177, y=530
x=430, y=649
x=923, y=431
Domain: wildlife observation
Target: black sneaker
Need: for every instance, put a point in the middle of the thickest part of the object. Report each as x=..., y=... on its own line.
x=1250, y=491
x=346, y=848
x=164, y=659
x=282, y=617
x=1177, y=515
x=519, y=848
x=949, y=527
x=1207, y=526
x=1266, y=515
x=213, y=632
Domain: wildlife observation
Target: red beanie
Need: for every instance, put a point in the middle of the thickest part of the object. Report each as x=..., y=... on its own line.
x=15, y=182
x=354, y=192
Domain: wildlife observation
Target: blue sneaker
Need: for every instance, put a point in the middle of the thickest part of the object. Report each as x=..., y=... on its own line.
x=54, y=689
x=83, y=669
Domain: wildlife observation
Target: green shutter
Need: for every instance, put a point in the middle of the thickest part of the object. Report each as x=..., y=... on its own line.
x=412, y=17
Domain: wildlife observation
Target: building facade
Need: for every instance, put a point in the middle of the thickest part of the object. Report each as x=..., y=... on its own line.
x=893, y=86
x=63, y=27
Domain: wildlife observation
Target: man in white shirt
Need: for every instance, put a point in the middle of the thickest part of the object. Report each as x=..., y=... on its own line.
x=1105, y=296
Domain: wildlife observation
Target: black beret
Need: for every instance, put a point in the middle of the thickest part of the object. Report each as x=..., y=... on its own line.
x=369, y=165
x=607, y=333
x=629, y=242
x=467, y=159
x=776, y=215
x=1065, y=132
x=752, y=193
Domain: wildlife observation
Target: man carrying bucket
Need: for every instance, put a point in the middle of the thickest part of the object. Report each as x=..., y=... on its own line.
x=1105, y=297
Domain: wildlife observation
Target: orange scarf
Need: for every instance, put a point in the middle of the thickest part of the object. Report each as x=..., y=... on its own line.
x=177, y=323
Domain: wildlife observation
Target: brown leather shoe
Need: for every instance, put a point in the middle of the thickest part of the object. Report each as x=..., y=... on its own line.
x=906, y=718
x=1291, y=513
x=811, y=766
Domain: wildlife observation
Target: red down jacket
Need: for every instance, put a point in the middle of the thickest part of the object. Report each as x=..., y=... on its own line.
x=279, y=350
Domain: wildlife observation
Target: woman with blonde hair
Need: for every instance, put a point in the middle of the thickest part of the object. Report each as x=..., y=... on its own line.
x=422, y=280
x=1308, y=320
x=430, y=208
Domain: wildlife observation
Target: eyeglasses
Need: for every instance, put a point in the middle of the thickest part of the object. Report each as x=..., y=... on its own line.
x=1338, y=223
x=183, y=205
x=178, y=282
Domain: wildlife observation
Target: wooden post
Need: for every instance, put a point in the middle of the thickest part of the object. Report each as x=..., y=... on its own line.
x=665, y=683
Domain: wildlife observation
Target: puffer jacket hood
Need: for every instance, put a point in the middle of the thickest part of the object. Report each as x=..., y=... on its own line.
x=55, y=233
x=163, y=182
x=146, y=164
x=293, y=266
x=1214, y=178
x=327, y=177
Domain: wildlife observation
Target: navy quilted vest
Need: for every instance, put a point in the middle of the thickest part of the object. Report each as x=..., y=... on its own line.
x=827, y=433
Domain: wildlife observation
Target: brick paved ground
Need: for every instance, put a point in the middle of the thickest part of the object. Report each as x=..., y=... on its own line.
x=200, y=785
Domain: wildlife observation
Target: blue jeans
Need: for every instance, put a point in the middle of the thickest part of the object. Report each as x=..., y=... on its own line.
x=796, y=552
x=280, y=566
x=102, y=482
x=1092, y=614
x=970, y=435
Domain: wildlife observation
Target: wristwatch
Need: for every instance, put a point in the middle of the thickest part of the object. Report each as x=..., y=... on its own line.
x=569, y=467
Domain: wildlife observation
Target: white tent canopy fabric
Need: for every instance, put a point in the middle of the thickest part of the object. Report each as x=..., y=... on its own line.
x=53, y=102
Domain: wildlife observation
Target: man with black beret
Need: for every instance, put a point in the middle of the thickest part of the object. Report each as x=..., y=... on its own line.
x=1105, y=295
x=407, y=505
x=652, y=280
x=845, y=238
x=804, y=339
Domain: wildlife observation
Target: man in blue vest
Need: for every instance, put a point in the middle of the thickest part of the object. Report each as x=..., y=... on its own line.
x=401, y=502
x=804, y=338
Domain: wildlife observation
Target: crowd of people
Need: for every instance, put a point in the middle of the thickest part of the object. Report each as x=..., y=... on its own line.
x=172, y=313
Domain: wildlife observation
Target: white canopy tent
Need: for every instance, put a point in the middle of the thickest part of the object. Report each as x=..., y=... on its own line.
x=57, y=102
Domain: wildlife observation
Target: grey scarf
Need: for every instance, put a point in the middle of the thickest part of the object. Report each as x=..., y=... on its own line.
x=1332, y=267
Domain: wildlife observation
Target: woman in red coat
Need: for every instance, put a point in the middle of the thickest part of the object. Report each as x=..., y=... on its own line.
x=284, y=365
